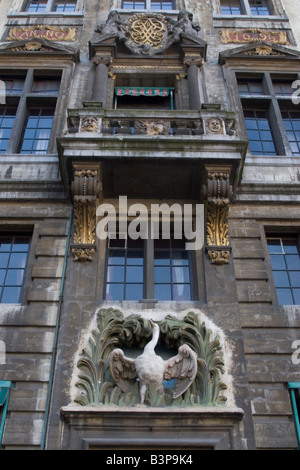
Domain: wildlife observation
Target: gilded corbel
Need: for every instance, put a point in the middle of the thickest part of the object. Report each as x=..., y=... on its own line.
x=87, y=192
x=217, y=192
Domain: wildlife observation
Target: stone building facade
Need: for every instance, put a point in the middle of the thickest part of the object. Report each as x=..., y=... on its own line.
x=180, y=109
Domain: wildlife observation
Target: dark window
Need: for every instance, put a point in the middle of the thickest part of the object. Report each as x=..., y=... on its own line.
x=259, y=7
x=125, y=270
x=7, y=118
x=13, y=259
x=172, y=279
x=147, y=4
x=259, y=132
x=128, y=276
x=36, y=6
x=291, y=121
x=285, y=262
x=230, y=7
x=272, y=124
x=37, y=130
x=26, y=119
x=64, y=6
x=42, y=6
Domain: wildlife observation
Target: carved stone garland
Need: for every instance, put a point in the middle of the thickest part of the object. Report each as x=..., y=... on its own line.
x=217, y=192
x=87, y=190
x=95, y=383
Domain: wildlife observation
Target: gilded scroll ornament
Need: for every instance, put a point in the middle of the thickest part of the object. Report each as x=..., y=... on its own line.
x=250, y=35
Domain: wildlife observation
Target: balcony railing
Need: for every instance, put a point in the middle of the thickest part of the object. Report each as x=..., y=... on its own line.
x=209, y=121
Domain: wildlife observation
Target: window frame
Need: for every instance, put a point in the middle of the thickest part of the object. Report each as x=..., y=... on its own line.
x=274, y=103
x=50, y=8
x=245, y=9
x=286, y=235
x=14, y=236
x=148, y=274
x=28, y=98
x=296, y=411
x=147, y=4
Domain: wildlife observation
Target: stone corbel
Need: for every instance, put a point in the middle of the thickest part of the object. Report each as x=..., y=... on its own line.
x=217, y=193
x=87, y=194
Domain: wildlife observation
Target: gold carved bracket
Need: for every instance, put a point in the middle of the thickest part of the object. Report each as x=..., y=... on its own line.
x=87, y=194
x=217, y=192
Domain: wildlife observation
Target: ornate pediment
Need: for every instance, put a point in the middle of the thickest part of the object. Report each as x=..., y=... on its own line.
x=260, y=49
x=38, y=46
x=150, y=33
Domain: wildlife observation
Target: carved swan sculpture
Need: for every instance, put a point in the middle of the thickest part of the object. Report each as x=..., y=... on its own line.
x=152, y=369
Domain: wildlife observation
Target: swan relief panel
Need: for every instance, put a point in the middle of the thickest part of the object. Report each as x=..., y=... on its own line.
x=134, y=359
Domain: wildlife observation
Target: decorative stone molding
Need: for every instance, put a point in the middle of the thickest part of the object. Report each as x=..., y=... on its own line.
x=95, y=385
x=214, y=125
x=90, y=124
x=217, y=191
x=87, y=191
x=148, y=33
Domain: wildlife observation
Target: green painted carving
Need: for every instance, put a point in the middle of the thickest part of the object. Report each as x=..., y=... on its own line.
x=113, y=330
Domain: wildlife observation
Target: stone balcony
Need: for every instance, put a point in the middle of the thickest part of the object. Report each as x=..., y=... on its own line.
x=210, y=121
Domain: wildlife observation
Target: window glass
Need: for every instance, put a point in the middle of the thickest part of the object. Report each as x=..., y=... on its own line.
x=7, y=117
x=64, y=6
x=126, y=276
x=259, y=7
x=36, y=6
x=291, y=121
x=37, y=130
x=13, y=258
x=285, y=262
x=259, y=132
x=230, y=7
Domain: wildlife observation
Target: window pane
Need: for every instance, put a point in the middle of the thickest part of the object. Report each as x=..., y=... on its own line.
x=296, y=294
x=162, y=274
x=285, y=297
x=293, y=261
x=14, y=277
x=134, y=274
x=181, y=292
x=277, y=262
x=134, y=291
x=162, y=292
x=114, y=292
x=11, y=295
x=116, y=274
x=281, y=279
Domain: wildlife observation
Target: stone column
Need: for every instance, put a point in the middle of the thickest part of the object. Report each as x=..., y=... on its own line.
x=101, y=63
x=194, y=61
